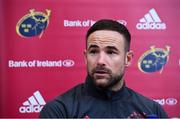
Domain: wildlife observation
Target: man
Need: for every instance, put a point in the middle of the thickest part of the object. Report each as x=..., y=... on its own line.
x=104, y=94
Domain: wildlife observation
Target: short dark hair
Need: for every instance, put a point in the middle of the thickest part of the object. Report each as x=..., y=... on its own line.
x=112, y=25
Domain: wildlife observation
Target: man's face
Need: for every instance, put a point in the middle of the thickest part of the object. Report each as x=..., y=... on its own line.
x=106, y=57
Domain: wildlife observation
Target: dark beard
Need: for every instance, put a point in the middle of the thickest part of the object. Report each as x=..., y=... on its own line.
x=113, y=81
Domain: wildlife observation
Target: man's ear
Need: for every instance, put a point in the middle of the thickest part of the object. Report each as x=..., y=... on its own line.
x=85, y=56
x=129, y=57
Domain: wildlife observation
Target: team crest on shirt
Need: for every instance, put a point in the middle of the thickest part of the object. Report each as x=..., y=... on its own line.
x=154, y=59
x=86, y=117
x=33, y=24
x=137, y=115
x=143, y=115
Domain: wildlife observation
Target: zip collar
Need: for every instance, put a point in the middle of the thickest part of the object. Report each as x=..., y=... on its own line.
x=105, y=93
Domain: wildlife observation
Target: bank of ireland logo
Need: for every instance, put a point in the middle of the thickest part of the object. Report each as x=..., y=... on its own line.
x=33, y=24
x=154, y=59
x=151, y=21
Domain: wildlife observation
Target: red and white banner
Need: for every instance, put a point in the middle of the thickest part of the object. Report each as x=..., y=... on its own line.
x=42, y=44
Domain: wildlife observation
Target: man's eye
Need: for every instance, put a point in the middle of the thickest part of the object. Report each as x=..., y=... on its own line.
x=111, y=52
x=92, y=51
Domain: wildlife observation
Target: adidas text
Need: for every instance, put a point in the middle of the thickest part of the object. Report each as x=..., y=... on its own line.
x=30, y=109
x=151, y=26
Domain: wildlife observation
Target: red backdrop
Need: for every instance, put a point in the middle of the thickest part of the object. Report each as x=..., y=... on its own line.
x=42, y=43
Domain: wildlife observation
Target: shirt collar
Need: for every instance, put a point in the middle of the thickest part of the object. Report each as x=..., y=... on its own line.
x=105, y=93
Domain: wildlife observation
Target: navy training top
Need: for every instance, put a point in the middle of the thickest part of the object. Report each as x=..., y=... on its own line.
x=87, y=101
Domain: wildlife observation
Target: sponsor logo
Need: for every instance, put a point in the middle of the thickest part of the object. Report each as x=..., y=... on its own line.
x=34, y=104
x=151, y=21
x=33, y=24
x=85, y=23
x=154, y=60
x=167, y=101
x=171, y=101
x=122, y=22
x=68, y=63
x=39, y=63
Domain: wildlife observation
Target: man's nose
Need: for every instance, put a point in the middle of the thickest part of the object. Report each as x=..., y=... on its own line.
x=101, y=59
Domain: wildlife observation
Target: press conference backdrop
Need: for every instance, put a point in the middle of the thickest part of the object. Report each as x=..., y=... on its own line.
x=42, y=44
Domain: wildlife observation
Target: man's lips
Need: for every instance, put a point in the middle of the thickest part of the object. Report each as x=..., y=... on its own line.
x=101, y=72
